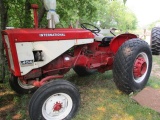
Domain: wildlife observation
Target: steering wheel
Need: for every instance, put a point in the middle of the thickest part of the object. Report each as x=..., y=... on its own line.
x=94, y=30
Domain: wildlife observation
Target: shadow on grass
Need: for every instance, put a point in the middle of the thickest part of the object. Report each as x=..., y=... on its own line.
x=12, y=105
x=93, y=79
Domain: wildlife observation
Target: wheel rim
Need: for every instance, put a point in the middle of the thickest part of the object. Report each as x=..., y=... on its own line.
x=140, y=67
x=57, y=106
x=25, y=86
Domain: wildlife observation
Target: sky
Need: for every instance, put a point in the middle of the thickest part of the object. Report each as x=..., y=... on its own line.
x=147, y=11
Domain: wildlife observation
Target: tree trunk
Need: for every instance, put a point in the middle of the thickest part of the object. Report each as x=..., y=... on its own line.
x=27, y=18
x=3, y=24
x=4, y=15
x=124, y=1
x=41, y=14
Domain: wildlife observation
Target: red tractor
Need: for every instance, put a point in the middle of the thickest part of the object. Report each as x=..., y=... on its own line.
x=38, y=58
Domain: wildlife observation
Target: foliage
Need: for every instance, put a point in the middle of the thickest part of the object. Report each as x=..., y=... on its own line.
x=124, y=1
x=154, y=24
x=20, y=13
x=76, y=10
x=117, y=15
x=109, y=13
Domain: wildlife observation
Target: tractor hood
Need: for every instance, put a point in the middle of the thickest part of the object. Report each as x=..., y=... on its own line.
x=30, y=35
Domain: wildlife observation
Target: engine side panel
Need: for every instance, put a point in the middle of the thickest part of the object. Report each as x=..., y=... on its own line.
x=50, y=50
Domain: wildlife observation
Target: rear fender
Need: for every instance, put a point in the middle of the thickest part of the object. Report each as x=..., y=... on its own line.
x=119, y=40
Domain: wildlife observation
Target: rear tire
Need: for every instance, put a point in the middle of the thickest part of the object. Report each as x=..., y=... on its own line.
x=20, y=87
x=83, y=71
x=56, y=100
x=132, y=66
x=155, y=41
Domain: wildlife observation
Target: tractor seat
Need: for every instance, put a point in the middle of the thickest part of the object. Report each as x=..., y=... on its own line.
x=106, y=40
x=98, y=37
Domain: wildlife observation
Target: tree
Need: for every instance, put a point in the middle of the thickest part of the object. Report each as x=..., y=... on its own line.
x=124, y=1
x=70, y=12
x=76, y=10
x=117, y=15
x=154, y=24
x=3, y=22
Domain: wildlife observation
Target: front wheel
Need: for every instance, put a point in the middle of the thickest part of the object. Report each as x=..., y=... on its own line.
x=132, y=65
x=56, y=100
x=19, y=87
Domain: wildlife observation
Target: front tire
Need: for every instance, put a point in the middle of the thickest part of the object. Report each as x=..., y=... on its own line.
x=56, y=100
x=19, y=87
x=132, y=65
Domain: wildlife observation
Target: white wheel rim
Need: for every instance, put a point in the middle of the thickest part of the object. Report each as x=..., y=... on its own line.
x=48, y=108
x=25, y=86
x=145, y=57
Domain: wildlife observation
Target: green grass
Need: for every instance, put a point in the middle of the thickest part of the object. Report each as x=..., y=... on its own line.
x=154, y=80
x=100, y=99
x=156, y=59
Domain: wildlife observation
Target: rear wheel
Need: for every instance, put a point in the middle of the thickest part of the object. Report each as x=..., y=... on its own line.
x=19, y=87
x=155, y=41
x=132, y=65
x=83, y=71
x=56, y=100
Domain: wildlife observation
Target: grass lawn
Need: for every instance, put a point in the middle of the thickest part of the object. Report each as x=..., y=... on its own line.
x=100, y=99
